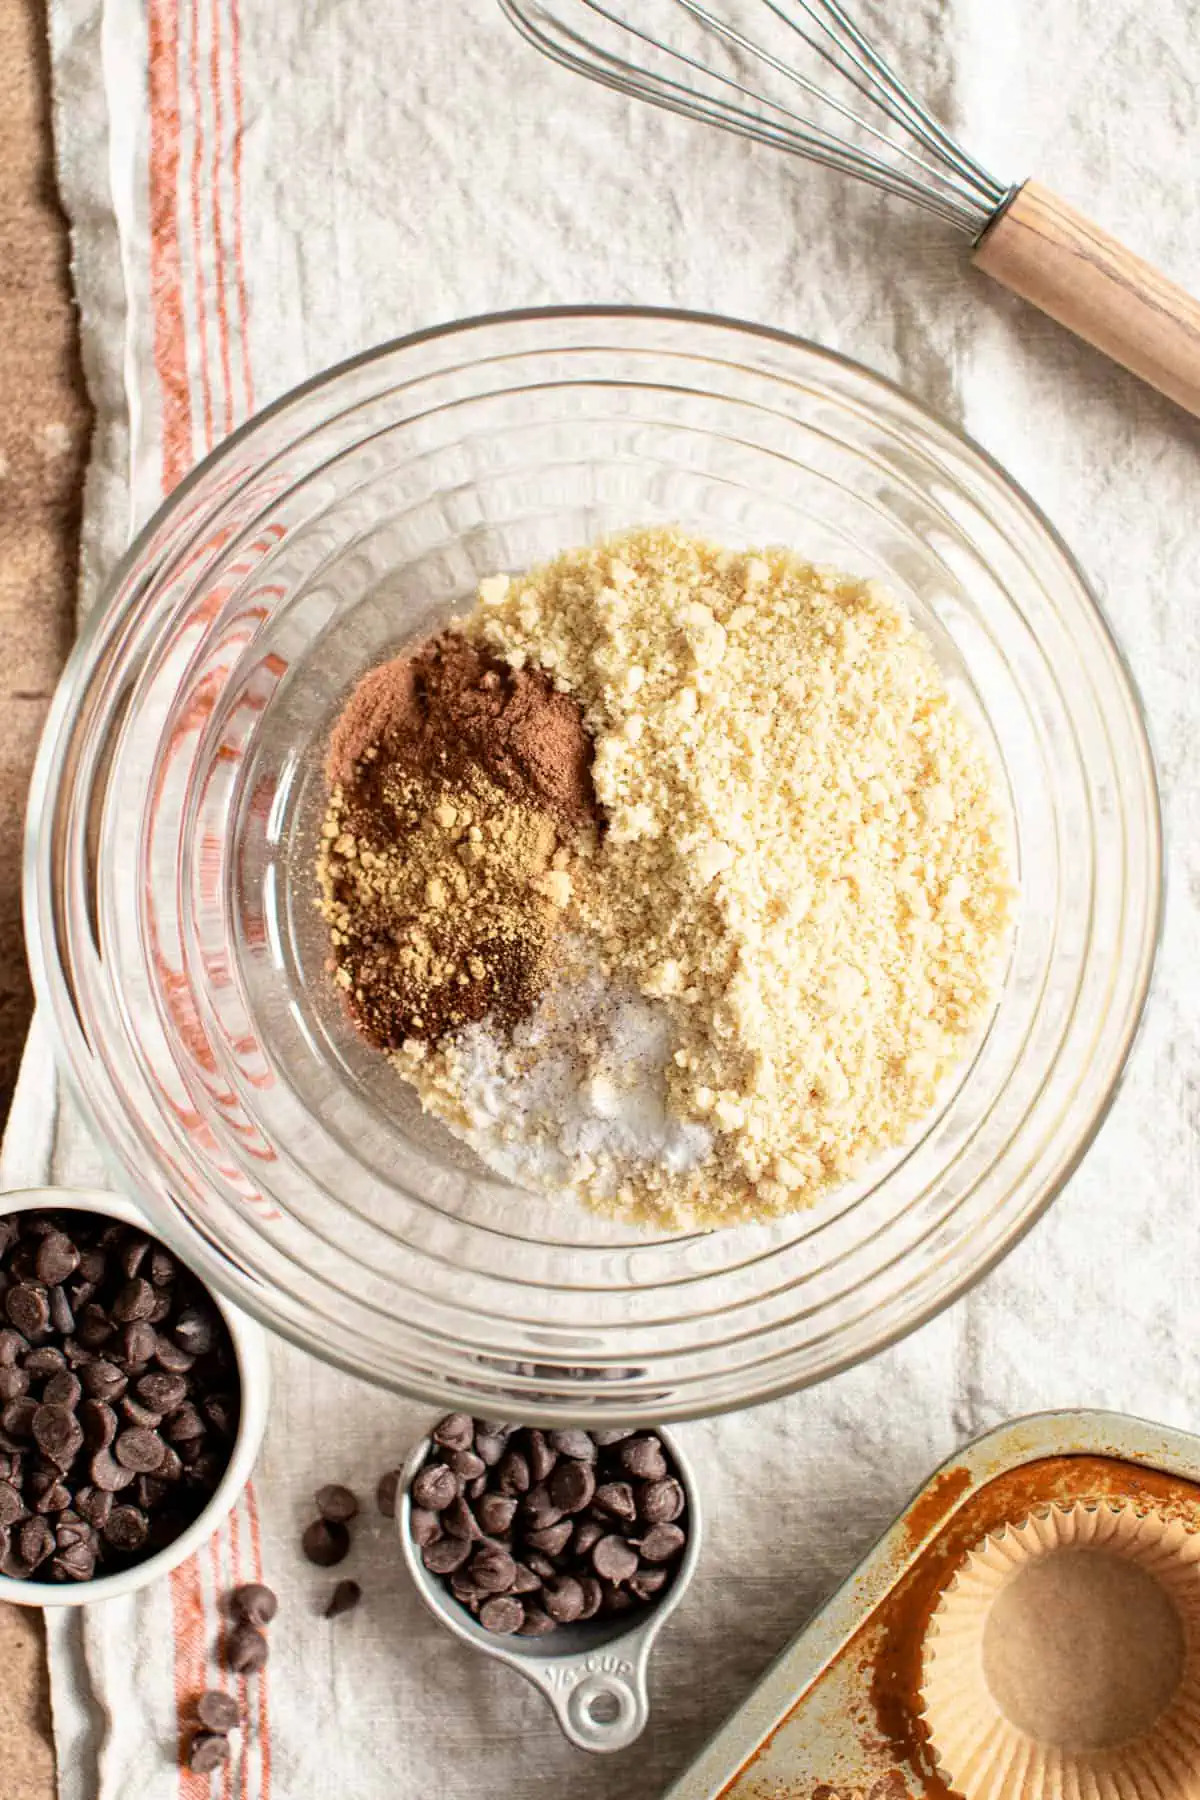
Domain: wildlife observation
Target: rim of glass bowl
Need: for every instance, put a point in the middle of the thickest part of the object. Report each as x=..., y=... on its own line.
x=97, y=1087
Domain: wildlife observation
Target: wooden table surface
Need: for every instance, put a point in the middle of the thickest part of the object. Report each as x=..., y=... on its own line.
x=43, y=442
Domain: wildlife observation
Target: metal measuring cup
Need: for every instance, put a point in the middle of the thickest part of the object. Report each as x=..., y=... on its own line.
x=595, y=1675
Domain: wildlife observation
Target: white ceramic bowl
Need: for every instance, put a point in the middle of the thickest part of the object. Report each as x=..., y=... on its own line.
x=250, y=1348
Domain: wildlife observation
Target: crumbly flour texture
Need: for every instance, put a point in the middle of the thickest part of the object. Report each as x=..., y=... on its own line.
x=794, y=918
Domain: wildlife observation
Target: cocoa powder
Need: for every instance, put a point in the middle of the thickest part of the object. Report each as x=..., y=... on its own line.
x=451, y=707
x=459, y=789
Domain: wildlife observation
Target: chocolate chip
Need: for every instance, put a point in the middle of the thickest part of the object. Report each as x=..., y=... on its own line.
x=162, y=1267
x=99, y=1424
x=133, y=1254
x=13, y=1384
x=12, y=1507
x=648, y=1582
x=136, y=1344
x=536, y=1623
x=435, y=1487
x=46, y=1360
x=75, y=1562
x=574, y=1443
x=495, y=1513
x=337, y=1504
x=613, y=1559
x=134, y=1413
x=502, y=1614
x=94, y=1504
x=102, y=1380
x=643, y=1457
x=107, y=1474
x=386, y=1492
x=539, y=1509
x=62, y=1318
x=170, y=1468
x=126, y=1528
x=460, y=1521
x=139, y=1450
x=616, y=1497
x=477, y=1487
x=425, y=1527
x=168, y=1355
x=93, y=1327
x=325, y=1543
x=28, y=1309
x=551, y=1540
x=512, y=1473
x=661, y=1543
x=344, y=1598
x=593, y=1596
x=53, y=1498
x=222, y=1412
x=541, y=1457
x=455, y=1432
x=563, y=1600
x=587, y=1535
x=541, y=1566
x=660, y=1502
x=254, y=1603
x=150, y=1492
x=195, y=1331
x=17, y=1418
x=136, y=1300
x=63, y=1389
x=466, y=1465
x=209, y=1750
x=525, y=1581
x=12, y=1347
x=246, y=1650
x=572, y=1485
x=165, y=1393
x=35, y=1542
x=489, y=1448
x=184, y=1425
x=606, y=1439
x=57, y=1259
x=446, y=1555
x=218, y=1711
x=492, y=1569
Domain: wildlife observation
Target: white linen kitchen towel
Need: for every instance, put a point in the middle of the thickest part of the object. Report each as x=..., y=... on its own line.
x=258, y=190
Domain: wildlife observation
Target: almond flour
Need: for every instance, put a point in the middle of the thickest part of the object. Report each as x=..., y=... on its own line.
x=805, y=865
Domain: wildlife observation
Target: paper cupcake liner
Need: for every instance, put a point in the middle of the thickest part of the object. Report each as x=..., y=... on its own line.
x=1011, y=1693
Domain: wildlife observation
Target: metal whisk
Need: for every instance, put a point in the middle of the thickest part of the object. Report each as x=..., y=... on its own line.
x=802, y=77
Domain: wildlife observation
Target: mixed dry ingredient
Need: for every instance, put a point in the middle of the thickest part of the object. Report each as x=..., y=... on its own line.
x=671, y=875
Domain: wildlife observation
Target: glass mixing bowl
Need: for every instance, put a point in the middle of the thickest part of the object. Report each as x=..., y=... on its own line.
x=170, y=899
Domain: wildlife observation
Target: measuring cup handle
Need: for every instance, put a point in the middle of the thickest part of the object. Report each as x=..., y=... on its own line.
x=600, y=1699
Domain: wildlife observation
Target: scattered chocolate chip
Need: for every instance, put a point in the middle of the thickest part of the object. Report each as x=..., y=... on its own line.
x=218, y=1711
x=209, y=1750
x=385, y=1495
x=502, y=1614
x=325, y=1543
x=254, y=1603
x=337, y=1504
x=344, y=1598
x=246, y=1650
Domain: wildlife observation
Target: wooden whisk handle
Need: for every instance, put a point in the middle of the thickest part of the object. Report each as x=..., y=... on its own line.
x=1058, y=260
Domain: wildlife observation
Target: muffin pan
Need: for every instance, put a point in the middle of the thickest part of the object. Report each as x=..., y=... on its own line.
x=1029, y=1628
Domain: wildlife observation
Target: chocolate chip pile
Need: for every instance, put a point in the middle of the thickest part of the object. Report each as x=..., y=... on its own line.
x=533, y=1529
x=119, y=1397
